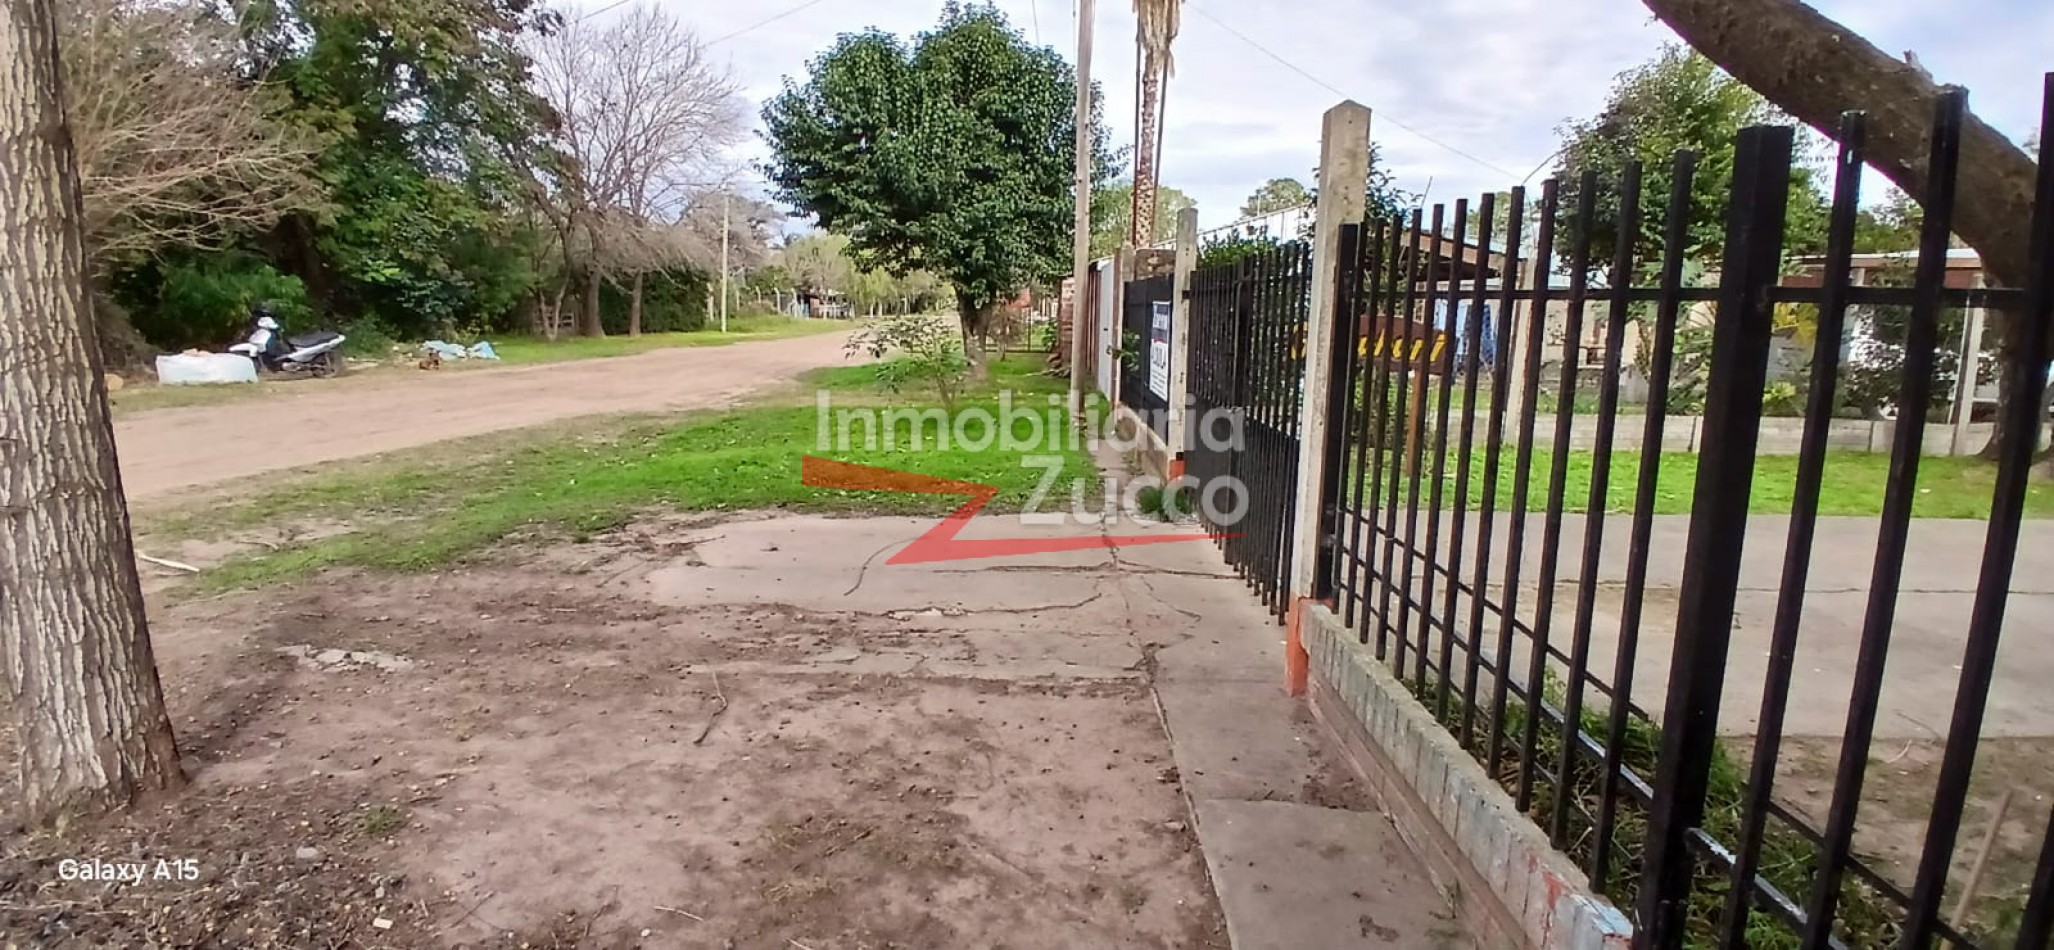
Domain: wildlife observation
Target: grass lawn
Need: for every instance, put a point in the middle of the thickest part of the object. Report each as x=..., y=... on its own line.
x=1853, y=484
x=433, y=508
x=527, y=349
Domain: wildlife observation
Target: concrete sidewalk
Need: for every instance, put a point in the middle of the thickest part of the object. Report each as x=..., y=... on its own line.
x=1935, y=596
x=1296, y=850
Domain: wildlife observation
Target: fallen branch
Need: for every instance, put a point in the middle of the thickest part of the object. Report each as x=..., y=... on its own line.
x=1975, y=875
x=795, y=943
x=710, y=720
x=179, y=565
x=680, y=913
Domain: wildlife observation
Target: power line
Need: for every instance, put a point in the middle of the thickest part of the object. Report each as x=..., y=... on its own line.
x=582, y=17
x=808, y=5
x=1034, y=10
x=1315, y=80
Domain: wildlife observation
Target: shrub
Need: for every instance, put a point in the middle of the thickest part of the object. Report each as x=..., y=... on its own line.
x=930, y=355
x=205, y=299
x=1232, y=249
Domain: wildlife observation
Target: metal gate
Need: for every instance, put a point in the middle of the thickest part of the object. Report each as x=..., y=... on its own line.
x=1247, y=371
x=1145, y=350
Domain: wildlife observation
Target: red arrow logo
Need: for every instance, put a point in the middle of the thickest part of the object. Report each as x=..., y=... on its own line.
x=940, y=542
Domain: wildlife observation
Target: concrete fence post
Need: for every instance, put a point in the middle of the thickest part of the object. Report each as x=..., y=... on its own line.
x=1966, y=369
x=1343, y=199
x=1180, y=339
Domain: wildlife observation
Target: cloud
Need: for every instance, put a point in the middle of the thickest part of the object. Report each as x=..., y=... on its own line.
x=1466, y=94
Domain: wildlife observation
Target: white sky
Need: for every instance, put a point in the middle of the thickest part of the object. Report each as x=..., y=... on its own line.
x=1489, y=78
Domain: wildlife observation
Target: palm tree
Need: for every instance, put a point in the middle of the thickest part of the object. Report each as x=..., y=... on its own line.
x=1155, y=28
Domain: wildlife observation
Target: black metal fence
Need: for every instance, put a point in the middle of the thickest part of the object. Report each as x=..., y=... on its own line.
x=1473, y=548
x=1247, y=369
x=1142, y=327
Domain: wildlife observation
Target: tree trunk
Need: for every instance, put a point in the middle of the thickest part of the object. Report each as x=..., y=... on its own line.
x=74, y=642
x=635, y=307
x=973, y=316
x=1141, y=225
x=588, y=307
x=1815, y=69
x=556, y=311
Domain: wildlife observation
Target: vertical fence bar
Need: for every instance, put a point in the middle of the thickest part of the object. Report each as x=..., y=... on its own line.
x=2036, y=925
x=1368, y=350
x=1277, y=345
x=1494, y=436
x=1384, y=491
x=1558, y=481
x=1471, y=356
x=1534, y=336
x=1333, y=454
x=1349, y=535
x=1627, y=224
x=1443, y=339
x=2026, y=383
x=1401, y=416
x=1419, y=440
x=1920, y=341
x=1661, y=366
x=1415, y=442
x=1292, y=398
x=1718, y=518
x=1836, y=281
x=1242, y=328
x=1270, y=269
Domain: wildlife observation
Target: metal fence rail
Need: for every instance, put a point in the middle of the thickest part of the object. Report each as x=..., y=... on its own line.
x=1247, y=371
x=1451, y=522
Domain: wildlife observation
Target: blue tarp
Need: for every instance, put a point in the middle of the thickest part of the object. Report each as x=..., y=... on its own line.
x=450, y=351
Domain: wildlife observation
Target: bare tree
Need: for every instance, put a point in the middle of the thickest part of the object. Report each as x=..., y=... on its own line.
x=74, y=644
x=644, y=118
x=173, y=146
x=1815, y=69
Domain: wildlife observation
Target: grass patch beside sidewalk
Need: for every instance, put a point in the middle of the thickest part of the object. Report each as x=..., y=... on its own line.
x=434, y=507
x=517, y=350
x=1853, y=484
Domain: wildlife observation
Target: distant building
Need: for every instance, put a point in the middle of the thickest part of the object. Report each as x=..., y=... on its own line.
x=1285, y=225
x=1964, y=268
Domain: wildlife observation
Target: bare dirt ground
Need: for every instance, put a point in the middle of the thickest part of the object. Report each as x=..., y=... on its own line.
x=681, y=734
x=169, y=449
x=1897, y=798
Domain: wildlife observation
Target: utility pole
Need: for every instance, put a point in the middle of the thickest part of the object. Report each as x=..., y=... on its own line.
x=726, y=206
x=1082, y=244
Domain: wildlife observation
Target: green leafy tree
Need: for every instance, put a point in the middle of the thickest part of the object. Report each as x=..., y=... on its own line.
x=1276, y=194
x=1678, y=100
x=429, y=127
x=950, y=153
x=1384, y=200
x=1112, y=205
x=1231, y=249
x=1889, y=227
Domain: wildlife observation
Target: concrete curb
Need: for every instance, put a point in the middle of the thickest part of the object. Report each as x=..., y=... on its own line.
x=1453, y=813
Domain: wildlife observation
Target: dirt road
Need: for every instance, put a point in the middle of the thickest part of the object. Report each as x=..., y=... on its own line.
x=170, y=449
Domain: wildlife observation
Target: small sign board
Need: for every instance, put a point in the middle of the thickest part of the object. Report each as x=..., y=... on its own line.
x=1159, y=350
